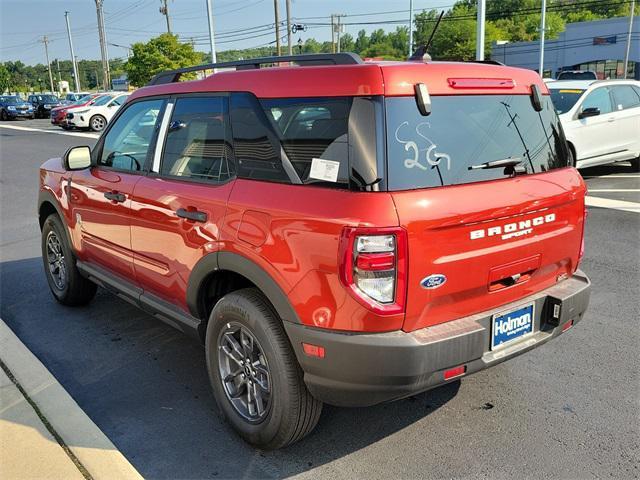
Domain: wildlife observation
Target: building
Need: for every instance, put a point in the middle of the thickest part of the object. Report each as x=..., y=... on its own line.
x=598, y=45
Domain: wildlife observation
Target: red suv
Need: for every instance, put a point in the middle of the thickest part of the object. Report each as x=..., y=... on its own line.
x=332, y=230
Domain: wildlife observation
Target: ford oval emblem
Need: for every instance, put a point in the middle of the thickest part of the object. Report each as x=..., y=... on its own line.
x=433, y=281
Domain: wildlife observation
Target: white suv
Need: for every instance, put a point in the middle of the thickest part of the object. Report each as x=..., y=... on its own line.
x=601, y=119
x=97, y=115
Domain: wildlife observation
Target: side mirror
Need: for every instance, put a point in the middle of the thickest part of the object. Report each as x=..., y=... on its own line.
x=77, y=158
x=589, y=112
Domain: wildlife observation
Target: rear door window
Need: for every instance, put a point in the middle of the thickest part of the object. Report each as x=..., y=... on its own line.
x=449, y=146
x=625, y=96
x=197, y=144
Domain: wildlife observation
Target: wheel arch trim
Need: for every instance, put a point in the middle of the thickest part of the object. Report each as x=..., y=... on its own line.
x=233, y=262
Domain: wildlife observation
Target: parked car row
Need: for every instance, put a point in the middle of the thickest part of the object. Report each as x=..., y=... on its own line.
x=89, y=112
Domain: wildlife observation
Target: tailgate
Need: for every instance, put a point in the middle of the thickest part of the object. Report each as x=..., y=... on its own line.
x=494, y=242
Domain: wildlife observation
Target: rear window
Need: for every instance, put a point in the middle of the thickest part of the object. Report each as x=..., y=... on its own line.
x=577, y=76
x=565, y=98
x=465, y=131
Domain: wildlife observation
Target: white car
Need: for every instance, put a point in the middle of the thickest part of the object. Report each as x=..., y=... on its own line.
x=600, y=118
x=97, y=115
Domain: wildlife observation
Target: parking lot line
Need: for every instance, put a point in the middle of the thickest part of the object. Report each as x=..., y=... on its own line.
x=30, y=129
x=84, y=443
x=614, y=204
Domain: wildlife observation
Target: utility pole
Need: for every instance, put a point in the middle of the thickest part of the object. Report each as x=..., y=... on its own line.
x=543, y=14
x=59, y=76
x=333, y=34
x=480, y=30
x=45, y=40
x=276, y=10
x=626, y=55
x=212, y=41
x=76, y=79
x=410, y=27
x=339, y=26
x=289, y=44
x=104, y=53
x=164, y=10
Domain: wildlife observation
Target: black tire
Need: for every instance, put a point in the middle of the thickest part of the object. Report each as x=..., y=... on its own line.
x=69, y=288
x=3, y=116
x=291, y=412
x=635, y=164
x=97, y=123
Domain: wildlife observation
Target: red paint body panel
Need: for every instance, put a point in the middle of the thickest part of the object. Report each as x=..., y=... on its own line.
x=301, y=250
x=439, y=222
x=165, y=247
x=102, y=226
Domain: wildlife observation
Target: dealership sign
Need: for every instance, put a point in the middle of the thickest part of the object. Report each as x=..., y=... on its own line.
x=604, y=40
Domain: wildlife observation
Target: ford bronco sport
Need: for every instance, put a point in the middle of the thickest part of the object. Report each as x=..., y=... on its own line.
x=332, y=230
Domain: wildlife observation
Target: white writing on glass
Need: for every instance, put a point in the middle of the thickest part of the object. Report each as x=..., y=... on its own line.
x=432, y=157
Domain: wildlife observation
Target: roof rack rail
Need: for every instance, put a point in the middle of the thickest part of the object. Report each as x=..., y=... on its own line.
x=489, y=62
x=342, y=58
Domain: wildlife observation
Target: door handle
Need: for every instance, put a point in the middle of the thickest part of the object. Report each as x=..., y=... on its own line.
x=193, y=215
x=115, y=197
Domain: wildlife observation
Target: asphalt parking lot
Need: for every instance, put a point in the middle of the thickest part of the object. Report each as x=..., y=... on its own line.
x=569, y=409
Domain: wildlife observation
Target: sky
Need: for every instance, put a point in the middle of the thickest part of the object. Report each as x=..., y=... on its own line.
x=238, y=23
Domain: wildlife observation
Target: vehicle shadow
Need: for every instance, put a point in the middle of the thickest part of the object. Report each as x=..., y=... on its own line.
x=609, y=169
x=145, y=385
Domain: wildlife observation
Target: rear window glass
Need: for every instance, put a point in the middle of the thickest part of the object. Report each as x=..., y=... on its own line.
x=311, y=128
x=577, y=76
x=565, y=98
x=462, y=132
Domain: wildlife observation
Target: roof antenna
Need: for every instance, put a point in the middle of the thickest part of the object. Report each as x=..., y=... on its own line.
x=422, y=52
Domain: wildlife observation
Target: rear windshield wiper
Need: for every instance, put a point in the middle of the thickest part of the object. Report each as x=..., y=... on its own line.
x=505, y=162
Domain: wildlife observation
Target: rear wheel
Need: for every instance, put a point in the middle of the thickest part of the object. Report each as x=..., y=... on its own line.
x=97, y=123
x=65, y=281
x=256, y=379
x=635, y=164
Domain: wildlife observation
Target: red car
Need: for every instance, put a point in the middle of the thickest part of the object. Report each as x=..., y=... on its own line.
x=334, y=231
x=59, y=114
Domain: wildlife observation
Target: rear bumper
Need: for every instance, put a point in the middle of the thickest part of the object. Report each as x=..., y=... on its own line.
x=366, y=369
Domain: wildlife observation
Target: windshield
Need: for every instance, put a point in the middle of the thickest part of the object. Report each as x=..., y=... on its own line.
x=102, y=100
x=49, y=99
x=462, y=132
x=565, y=98
x=12, y=100
x=577, y=76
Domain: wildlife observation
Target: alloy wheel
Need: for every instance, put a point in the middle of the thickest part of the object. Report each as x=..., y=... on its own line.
x=244, y=372
x=55, y=260
x=97, y=123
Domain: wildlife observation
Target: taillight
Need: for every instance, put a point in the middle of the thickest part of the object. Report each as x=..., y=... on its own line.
x=581, y=252
x=373, y=265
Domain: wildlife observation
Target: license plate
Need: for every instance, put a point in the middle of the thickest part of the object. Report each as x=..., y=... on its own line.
x=509, y=326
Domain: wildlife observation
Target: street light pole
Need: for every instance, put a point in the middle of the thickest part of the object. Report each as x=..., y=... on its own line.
x=480, y=30
x=212, y=41
x=542, y=31
x=76, y=79
x=626, y=55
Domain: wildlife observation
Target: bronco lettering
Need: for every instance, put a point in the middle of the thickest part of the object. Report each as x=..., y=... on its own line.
x=514, y=229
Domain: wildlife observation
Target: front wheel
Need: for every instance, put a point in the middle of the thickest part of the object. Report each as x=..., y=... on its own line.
x=256, y=379
x=68, y=286
x=97, y=123
x=3, y=116
x=635, y=164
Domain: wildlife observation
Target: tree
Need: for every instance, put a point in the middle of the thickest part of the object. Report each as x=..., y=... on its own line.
x=161, y=53
x=5, y=79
